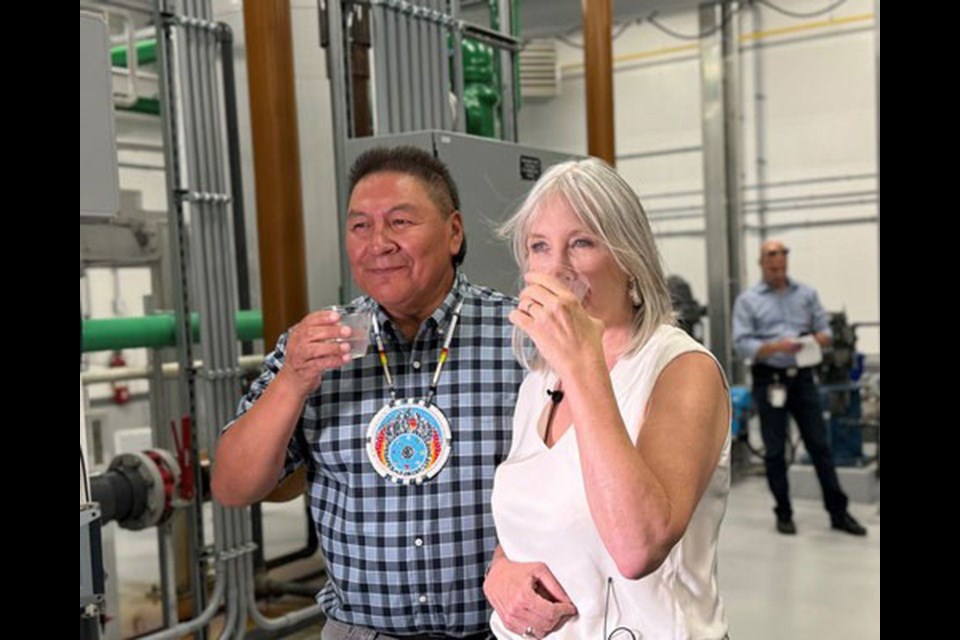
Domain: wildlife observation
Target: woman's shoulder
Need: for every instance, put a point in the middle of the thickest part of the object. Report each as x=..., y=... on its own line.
x=665, y=345
x=666, y=341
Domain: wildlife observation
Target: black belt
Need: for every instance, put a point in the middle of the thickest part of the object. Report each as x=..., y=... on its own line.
x=787, y=372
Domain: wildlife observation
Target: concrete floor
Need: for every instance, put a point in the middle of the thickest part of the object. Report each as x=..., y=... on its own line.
x=818, y=584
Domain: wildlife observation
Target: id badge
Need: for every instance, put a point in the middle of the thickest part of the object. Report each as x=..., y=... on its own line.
x=777, y=395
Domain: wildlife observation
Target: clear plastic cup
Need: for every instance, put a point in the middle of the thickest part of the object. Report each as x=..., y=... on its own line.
x=359, y=323
x=575, y=282
x=577, y=285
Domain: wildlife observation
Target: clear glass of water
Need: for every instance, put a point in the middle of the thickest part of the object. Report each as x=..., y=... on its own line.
x=574, y=281
x=524, y=346
x=359, y=323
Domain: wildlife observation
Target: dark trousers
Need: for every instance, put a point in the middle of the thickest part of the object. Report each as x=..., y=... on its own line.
x=803, y=403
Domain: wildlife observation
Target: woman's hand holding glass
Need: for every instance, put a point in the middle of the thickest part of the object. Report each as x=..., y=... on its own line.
x=552, y=314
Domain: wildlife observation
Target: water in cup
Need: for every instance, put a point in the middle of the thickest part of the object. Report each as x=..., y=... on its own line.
x=573, y=281
x=359, y=323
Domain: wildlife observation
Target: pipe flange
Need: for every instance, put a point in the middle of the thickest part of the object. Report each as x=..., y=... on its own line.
x=159, y=474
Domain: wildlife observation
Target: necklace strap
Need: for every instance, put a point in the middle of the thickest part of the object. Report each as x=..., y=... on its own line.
x=444, y=355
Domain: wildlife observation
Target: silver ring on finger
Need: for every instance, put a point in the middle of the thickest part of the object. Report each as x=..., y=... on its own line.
x=528, y=632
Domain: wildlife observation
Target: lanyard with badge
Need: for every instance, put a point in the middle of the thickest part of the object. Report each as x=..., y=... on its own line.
x=408, y=441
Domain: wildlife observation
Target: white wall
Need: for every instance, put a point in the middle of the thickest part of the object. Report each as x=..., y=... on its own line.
x=820, y=101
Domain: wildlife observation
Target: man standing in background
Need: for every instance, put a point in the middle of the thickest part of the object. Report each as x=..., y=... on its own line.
x=768, y=320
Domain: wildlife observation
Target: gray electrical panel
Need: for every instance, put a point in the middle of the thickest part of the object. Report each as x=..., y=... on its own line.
x=493, y=178
x=99, y=181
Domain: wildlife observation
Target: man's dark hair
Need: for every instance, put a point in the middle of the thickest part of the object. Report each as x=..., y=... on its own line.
x=420, y=164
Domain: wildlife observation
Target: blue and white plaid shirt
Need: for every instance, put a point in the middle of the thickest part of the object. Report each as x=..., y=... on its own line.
x=409, y=559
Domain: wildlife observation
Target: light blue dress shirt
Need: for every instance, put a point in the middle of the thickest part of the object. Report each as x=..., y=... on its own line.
x=762, y=314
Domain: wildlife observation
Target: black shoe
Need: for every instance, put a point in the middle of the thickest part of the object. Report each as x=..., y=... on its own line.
x=847, y=524
x=786, y=527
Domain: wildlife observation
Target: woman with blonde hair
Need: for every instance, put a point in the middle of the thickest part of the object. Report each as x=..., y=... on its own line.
x=609, y=505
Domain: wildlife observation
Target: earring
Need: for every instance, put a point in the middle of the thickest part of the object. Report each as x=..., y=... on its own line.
x=634, y=292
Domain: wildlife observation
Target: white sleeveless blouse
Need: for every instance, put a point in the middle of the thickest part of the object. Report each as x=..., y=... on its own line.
x=541, y=513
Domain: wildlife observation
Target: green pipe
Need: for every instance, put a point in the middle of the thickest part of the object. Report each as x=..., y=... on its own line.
x=108, y=334
x=249, y=325
x=146, y=53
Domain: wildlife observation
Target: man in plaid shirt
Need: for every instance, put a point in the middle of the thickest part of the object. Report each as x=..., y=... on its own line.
x=404, y=561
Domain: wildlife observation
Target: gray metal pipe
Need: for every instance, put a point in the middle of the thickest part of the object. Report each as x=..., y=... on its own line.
x=193, y=99
x=422, y=69
x=773, y=205
x=696, y=233
x=239, y=253
x=760, y=118
x=440, y=100
x=196, y=161
x=244, y=584
x=507, y=86
x=806, y=224
x=416, y=75
x=168, y=575
x=224, y=257
x=191, y=119
x=790, y=225
x=816, y=180
x=131, y=145
x=818, y=205
x=697, y=213
x=161, y=439
x=244, y=560
x=460, y=121
x=295, y=617
x=380, y=76
x=170, y=62
x=433, y=66
x=827, y=198
x=403, y=60
x=208, y=280
x=217, y=281
x=430, y=114
x=659, y=152
x=230, y=570
x=816, y=196
x=222, y=346
x=393, y=73
x=446, y=118
x=201, y=621
x=765, y=185
x=140, y=167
